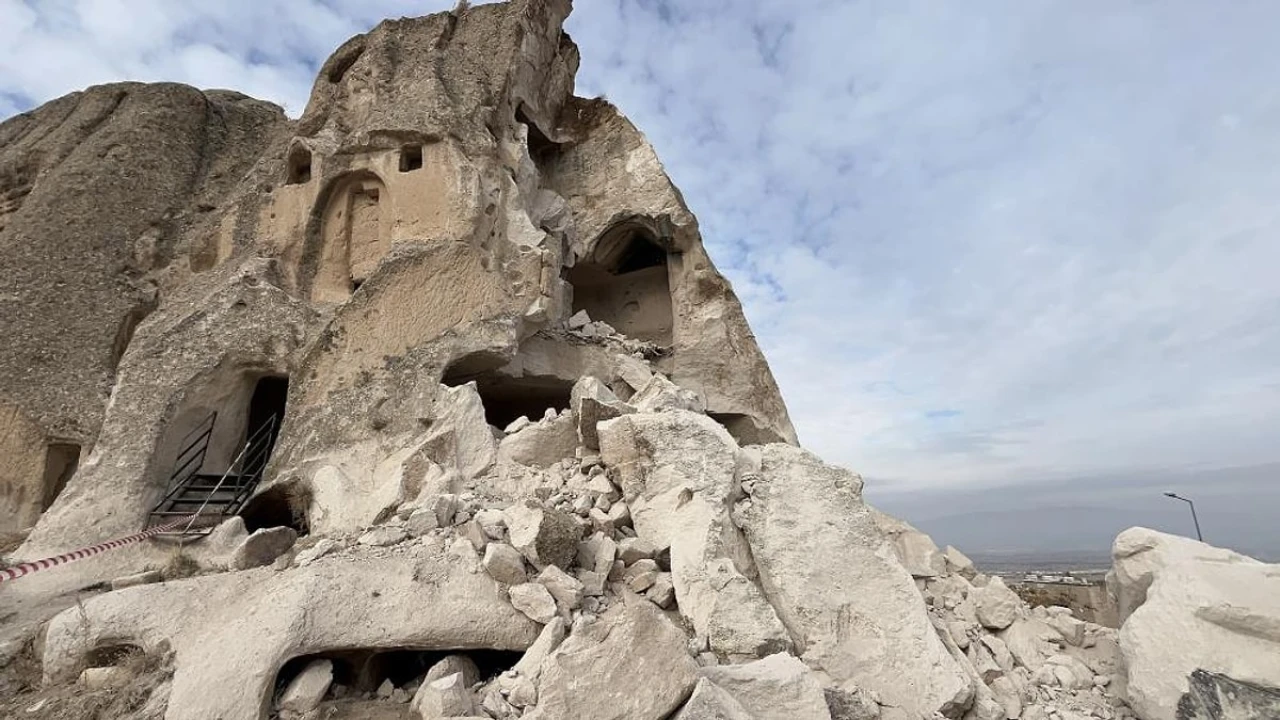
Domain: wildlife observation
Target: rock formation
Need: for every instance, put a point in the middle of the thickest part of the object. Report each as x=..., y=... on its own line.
x=519, y=454
x=1196, y=618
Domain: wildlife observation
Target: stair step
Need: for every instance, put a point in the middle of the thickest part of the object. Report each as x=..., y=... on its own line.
x=207, y=494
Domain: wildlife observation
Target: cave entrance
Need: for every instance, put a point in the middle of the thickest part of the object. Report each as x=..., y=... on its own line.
x=60, y=463
x=506, y=397
x=365, y=670
x=283, y=505
x=219, y=446
x=266, y=412
x=625, y=283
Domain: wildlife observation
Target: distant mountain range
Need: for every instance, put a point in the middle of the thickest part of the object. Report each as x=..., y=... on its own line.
x=1237, y=509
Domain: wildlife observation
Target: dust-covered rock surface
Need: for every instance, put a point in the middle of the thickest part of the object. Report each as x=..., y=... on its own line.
x=481, y=432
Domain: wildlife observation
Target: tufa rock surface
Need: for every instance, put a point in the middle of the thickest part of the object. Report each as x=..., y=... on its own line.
x=521, y=456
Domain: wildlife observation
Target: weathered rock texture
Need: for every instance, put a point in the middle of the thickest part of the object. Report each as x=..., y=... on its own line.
x=441, y=209
x=1192, y=608
x=521, y=412
x=101, y=194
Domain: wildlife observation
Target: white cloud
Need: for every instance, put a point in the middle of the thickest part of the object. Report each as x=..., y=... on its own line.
x=980, y=242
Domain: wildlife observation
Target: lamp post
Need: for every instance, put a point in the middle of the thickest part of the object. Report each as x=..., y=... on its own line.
x=1194, y=519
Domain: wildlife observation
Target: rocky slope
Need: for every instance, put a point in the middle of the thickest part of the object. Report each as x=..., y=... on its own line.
x=525, y=456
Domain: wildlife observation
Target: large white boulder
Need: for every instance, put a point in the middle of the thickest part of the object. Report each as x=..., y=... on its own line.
x=1204, y=609
x=679, y=470
x=1139, y=553
x=916, y=551
x=305, y=691
x=633, y=666
x=460, y=438
x=997, y=606
x=779, y=686
x=1030, y=641
x=824, y=565
x=593, y=403
x=541, y=444
x=263, y=547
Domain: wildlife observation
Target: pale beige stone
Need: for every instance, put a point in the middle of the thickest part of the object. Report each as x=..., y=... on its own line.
x=894, y=649
x=636, y=669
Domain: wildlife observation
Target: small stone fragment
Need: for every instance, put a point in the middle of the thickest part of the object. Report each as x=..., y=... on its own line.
x=142, y=578
x=523, y=692
x=421, y=522
x=597, y=553
x=504, y=564
x=263, y=547
x=632, y=550
x=565, y=588
x=662, y=592
x=592, y=582
x=384, y=536
x=619, y=515
x=472, y=531
x=315, y=552
x=305, y=691
x=447, y=697
x=641, y=575
x=103, y=678
x=534, y=601
x=579, y=320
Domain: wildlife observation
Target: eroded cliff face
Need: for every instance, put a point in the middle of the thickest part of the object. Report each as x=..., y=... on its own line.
x=100, y=193
x=440, y=212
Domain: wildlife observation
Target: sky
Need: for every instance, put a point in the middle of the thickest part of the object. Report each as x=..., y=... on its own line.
x=995, y=243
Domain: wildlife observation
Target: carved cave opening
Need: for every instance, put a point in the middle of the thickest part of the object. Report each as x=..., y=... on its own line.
x=542, y=149
x=364, y=670
x=625, y=283
x=411, y=158
x=60, y=463
x=283, y=505
x=267, y=407
x=508, y=397
x=299, y=165
x=245, y=402
x=113, y=655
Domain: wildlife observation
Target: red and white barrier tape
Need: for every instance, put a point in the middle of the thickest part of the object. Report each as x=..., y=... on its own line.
x=17, y=571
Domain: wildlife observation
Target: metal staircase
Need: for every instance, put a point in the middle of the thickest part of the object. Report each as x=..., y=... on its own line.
x=208, y=499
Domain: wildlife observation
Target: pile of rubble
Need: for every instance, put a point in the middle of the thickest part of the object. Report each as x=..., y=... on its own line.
x=656, y=567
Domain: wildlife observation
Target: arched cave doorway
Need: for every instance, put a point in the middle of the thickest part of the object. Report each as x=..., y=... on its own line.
x=624, y=282
x=355, y=234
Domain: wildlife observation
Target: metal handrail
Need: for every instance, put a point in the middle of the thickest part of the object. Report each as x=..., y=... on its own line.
x=209, y=420
x=183, y=471
x=253, y=440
